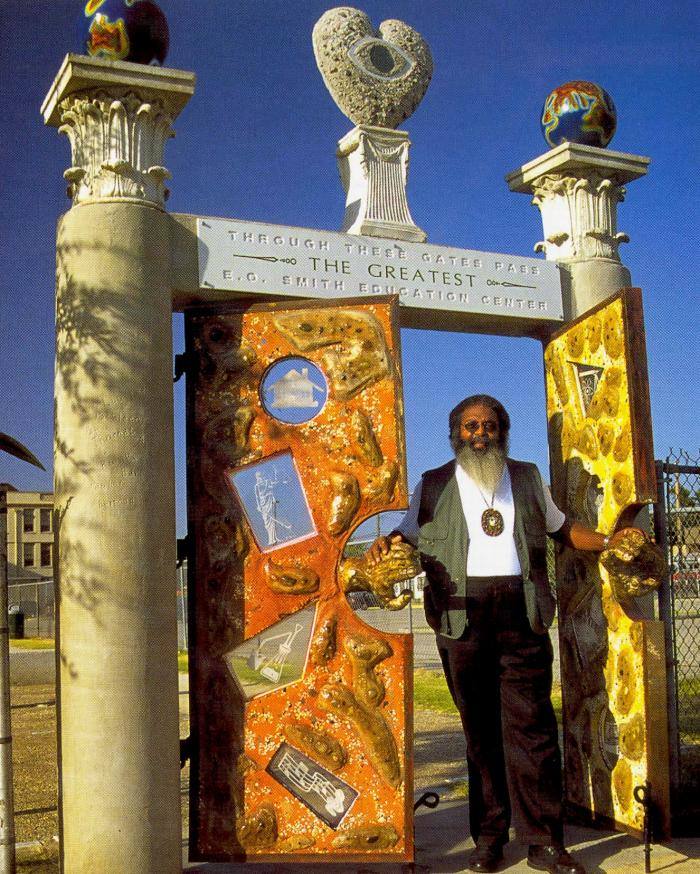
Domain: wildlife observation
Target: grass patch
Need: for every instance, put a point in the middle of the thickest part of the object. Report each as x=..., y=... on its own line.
x=183, y=661
x=33, y=643
x=430, y=692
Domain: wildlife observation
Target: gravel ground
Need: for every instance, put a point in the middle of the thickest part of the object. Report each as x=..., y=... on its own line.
x=439, y=752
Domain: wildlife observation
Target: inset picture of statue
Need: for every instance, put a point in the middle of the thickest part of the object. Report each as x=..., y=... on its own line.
x=274, y=502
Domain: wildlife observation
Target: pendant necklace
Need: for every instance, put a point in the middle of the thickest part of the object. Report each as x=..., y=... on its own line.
x=491, y=520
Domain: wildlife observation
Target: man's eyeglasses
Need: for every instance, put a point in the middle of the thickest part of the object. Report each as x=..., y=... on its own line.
x=472, y=426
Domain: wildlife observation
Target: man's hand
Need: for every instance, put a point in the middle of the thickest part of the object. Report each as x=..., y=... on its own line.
x=381, y=547
x=581, y=537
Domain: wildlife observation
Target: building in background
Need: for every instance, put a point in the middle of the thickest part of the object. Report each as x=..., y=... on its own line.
x=30, y=535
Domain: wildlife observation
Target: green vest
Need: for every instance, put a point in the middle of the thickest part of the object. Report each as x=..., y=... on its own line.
x=443, y=543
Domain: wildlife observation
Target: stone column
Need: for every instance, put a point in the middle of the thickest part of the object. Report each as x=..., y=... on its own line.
x=577, y=189
x=114, y=477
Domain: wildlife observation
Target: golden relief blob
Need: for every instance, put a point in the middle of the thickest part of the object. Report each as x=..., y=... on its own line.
x=401, y=563
x=636, y=636
x=259, y=830
x=560, y=380
x=319, y=745
x=290, y=580
x=621, y=488
x=576, y=341
x=363, y=358
x=324, y=643
x=227, y=434
x=244, y=765
x=369, y=837
x=226, y=355
x=587, y=444
x=365, y=439
x=569, y=436
x=622, y=784
x=626, y=682
x=345, y=501
x=594, y=333
x=635, y=565
x=606, y=437
x=623, y=446
x=224, y=540
x=372, y=728
x=294, y=844
x=606, y=399
x=632, y=738
x=381, y=484
x=612, y=334
x=365, y=653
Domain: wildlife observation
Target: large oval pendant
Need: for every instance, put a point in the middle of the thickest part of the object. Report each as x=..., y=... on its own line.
x=492, y=522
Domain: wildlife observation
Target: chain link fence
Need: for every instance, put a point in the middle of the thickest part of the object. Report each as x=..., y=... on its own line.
x=677, y=527
x=33, y=601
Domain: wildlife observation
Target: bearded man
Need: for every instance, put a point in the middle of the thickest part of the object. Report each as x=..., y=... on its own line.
x=480, y=524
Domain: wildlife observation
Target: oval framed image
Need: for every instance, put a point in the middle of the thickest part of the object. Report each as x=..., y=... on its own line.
x=293, y=390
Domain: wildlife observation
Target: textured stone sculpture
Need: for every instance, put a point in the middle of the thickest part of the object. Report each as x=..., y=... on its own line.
x=376, y=78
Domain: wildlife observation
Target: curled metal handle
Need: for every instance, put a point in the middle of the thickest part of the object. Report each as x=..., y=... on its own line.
x=427, y=799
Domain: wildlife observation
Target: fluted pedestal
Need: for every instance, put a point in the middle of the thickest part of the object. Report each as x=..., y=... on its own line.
x=373, y=164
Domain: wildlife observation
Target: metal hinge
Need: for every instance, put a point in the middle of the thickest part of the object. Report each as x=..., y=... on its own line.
x=182, y=362
x=182, y=547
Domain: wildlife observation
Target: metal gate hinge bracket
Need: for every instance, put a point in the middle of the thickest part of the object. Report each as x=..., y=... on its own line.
x=182, y=361
x=182, y=546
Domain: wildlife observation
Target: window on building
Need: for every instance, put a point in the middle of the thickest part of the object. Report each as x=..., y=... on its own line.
x=45, y=519
x=28, y=557
x=28, y=515
x=46, y=554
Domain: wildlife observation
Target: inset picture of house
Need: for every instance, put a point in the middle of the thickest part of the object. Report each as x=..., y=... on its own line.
x=294, y=390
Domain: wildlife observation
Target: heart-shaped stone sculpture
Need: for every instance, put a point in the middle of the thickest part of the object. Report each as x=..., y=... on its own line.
x=375, y=77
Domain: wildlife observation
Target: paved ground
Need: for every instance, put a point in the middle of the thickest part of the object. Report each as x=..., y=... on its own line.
x=441, y=845
x=441, y=848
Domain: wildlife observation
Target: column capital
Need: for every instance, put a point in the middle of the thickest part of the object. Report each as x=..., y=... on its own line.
x=577, y=189
x=117, y=116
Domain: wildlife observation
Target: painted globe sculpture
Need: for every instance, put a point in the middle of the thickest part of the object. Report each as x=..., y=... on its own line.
x=579, y=112
x=126, y=30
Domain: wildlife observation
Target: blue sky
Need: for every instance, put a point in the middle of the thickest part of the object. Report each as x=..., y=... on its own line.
x=257, y=141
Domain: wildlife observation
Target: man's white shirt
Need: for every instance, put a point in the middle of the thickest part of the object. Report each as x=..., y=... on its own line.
x=488, y=556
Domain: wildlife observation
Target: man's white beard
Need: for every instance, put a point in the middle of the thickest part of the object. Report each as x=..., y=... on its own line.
x=486, y=467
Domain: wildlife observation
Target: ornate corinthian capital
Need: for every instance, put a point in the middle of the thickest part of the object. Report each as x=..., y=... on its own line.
x=117, y=117
x=117, y=145
x=579, y=216
x=577, y=189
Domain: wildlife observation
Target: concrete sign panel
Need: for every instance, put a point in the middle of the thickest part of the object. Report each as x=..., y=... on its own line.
x=439, y=286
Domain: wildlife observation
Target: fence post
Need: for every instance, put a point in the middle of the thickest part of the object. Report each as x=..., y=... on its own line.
x=7, y=821
x=665, y=596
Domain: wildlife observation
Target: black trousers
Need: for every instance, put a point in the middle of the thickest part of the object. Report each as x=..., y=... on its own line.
x=500, y=676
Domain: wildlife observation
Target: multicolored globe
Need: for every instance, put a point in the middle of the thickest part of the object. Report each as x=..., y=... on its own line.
x=126, y=30
x=579, y=112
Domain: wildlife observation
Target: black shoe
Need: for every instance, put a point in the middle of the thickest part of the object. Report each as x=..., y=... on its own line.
x=553, y=859
x=485, y=857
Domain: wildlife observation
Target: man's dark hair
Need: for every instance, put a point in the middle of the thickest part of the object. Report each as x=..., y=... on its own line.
x=456, y=440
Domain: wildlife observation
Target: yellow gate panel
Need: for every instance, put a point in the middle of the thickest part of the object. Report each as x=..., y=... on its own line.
x=612, y=653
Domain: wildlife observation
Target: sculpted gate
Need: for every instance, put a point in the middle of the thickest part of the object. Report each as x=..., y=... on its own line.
x=301, y=714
